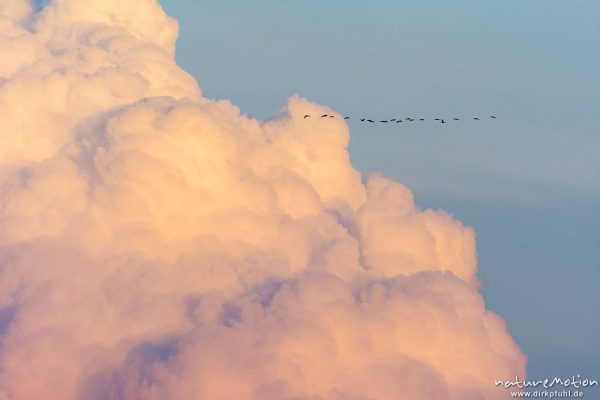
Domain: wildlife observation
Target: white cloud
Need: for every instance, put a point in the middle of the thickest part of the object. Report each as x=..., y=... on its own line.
x=155, y=244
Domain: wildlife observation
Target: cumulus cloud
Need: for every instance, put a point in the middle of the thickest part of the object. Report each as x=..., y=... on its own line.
x=155, y=244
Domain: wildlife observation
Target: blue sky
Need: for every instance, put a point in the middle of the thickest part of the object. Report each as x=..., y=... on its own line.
x=528, y=182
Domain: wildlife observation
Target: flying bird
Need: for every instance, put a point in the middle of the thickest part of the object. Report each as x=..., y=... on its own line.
x=397, y=120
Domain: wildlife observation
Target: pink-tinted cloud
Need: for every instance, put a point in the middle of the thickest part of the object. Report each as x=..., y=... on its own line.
x=155, y=244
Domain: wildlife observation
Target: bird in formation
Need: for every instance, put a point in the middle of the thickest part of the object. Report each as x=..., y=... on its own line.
x=397, y=120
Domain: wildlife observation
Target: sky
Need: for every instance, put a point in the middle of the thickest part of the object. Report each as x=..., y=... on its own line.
x=528, y=182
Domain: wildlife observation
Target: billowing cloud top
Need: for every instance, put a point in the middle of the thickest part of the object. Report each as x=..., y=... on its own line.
x=155, y=244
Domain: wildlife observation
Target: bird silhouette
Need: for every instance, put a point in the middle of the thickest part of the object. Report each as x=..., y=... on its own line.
x=396, y=120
